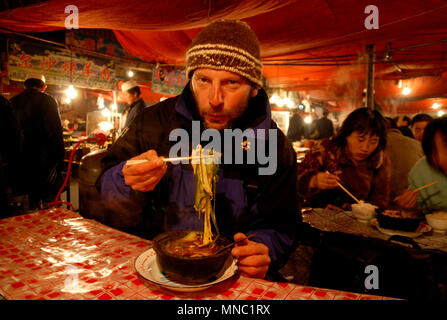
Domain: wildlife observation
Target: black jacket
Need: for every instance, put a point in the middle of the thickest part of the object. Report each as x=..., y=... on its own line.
x=10, y=144
x=325, y=128
x=134, y=109
x=43, y=145
x=245, y=201
x=296, y=128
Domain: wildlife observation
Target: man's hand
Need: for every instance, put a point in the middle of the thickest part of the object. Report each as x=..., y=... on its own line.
x=253, y=257
x=407, y=200
x=145, y=176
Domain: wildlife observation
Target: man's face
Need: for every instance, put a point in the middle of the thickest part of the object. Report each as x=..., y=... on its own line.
x=221, y=96
x=418, y=130
x=129, y=97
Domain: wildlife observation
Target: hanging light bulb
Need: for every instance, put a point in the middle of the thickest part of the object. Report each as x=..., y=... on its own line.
x=399, y=84
x=130, y=73
x=67, y=100
x=308, y=119
x=440, y=113
x=71, y=92
x=435, y=106
x=406, y=91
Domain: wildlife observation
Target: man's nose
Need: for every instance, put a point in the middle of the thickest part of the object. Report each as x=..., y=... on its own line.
x=216, y=95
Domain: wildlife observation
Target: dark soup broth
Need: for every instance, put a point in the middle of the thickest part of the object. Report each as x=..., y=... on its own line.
x=190, y=249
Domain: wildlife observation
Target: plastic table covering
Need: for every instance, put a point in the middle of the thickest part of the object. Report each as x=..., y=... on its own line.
x=57, y=254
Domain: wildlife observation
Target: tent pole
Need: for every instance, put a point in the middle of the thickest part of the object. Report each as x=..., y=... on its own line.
x=370, y=76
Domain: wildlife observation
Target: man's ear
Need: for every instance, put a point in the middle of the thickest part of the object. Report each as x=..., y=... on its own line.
x=254, y=91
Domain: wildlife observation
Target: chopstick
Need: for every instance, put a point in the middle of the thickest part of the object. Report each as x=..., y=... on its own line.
x=344, y=189
x=426, y=186
x=132, y=162
x=233, y=243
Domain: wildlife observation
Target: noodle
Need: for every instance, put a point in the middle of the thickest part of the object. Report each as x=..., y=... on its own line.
x=205, y=173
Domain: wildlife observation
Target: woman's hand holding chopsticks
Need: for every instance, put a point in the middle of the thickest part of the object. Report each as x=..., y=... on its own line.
x=408, y=198
x=324, y=180
x=146, y=175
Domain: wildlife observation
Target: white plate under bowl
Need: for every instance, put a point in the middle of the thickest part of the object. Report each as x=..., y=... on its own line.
x=423, y=228
x=146, y=265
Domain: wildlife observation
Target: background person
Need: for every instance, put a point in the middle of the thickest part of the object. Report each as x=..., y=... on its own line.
x=403, y=124
x=132, y=95
x=430, y=168
x=418, y=124
x=224, y=92
x=404, y=152
x=10, y=146
x=354, y=157
x=42, y=156
x=324, y=126
x=295, y=132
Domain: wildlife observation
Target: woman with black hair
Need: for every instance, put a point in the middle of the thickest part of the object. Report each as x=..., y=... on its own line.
x=353, y=157
x=430, y=168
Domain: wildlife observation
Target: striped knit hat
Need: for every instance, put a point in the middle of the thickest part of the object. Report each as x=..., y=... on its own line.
x=229, y=45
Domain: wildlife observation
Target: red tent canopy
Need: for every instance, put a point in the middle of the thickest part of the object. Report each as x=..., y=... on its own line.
x=315, y=47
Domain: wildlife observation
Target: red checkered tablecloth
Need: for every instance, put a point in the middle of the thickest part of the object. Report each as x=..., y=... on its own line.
x=57, y=254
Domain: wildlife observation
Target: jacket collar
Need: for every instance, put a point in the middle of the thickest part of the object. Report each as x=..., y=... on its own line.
x=140, y=100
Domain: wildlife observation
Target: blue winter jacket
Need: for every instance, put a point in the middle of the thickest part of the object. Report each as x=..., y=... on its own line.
x=245, y=201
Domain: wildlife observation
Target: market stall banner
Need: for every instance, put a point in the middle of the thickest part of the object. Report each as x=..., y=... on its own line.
x=59, y=67
x=104, y=42
x=168, y=80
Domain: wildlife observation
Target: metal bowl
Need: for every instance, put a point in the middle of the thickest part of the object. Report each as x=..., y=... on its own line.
x=190, y=270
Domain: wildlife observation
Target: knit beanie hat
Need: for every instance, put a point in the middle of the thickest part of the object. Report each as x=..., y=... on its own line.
x=229, y=45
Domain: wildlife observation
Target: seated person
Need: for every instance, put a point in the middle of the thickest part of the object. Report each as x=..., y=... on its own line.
x=353, y=157
x=430, y=168
x=222, y=94
x=403, y=124
x=404, y=152
x=418, y=124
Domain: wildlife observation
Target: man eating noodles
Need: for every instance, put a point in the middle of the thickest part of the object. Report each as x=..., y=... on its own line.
x=224, y=92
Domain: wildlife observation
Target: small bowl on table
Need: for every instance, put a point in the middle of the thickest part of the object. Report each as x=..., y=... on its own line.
x=438, y=221
x=363, y=211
